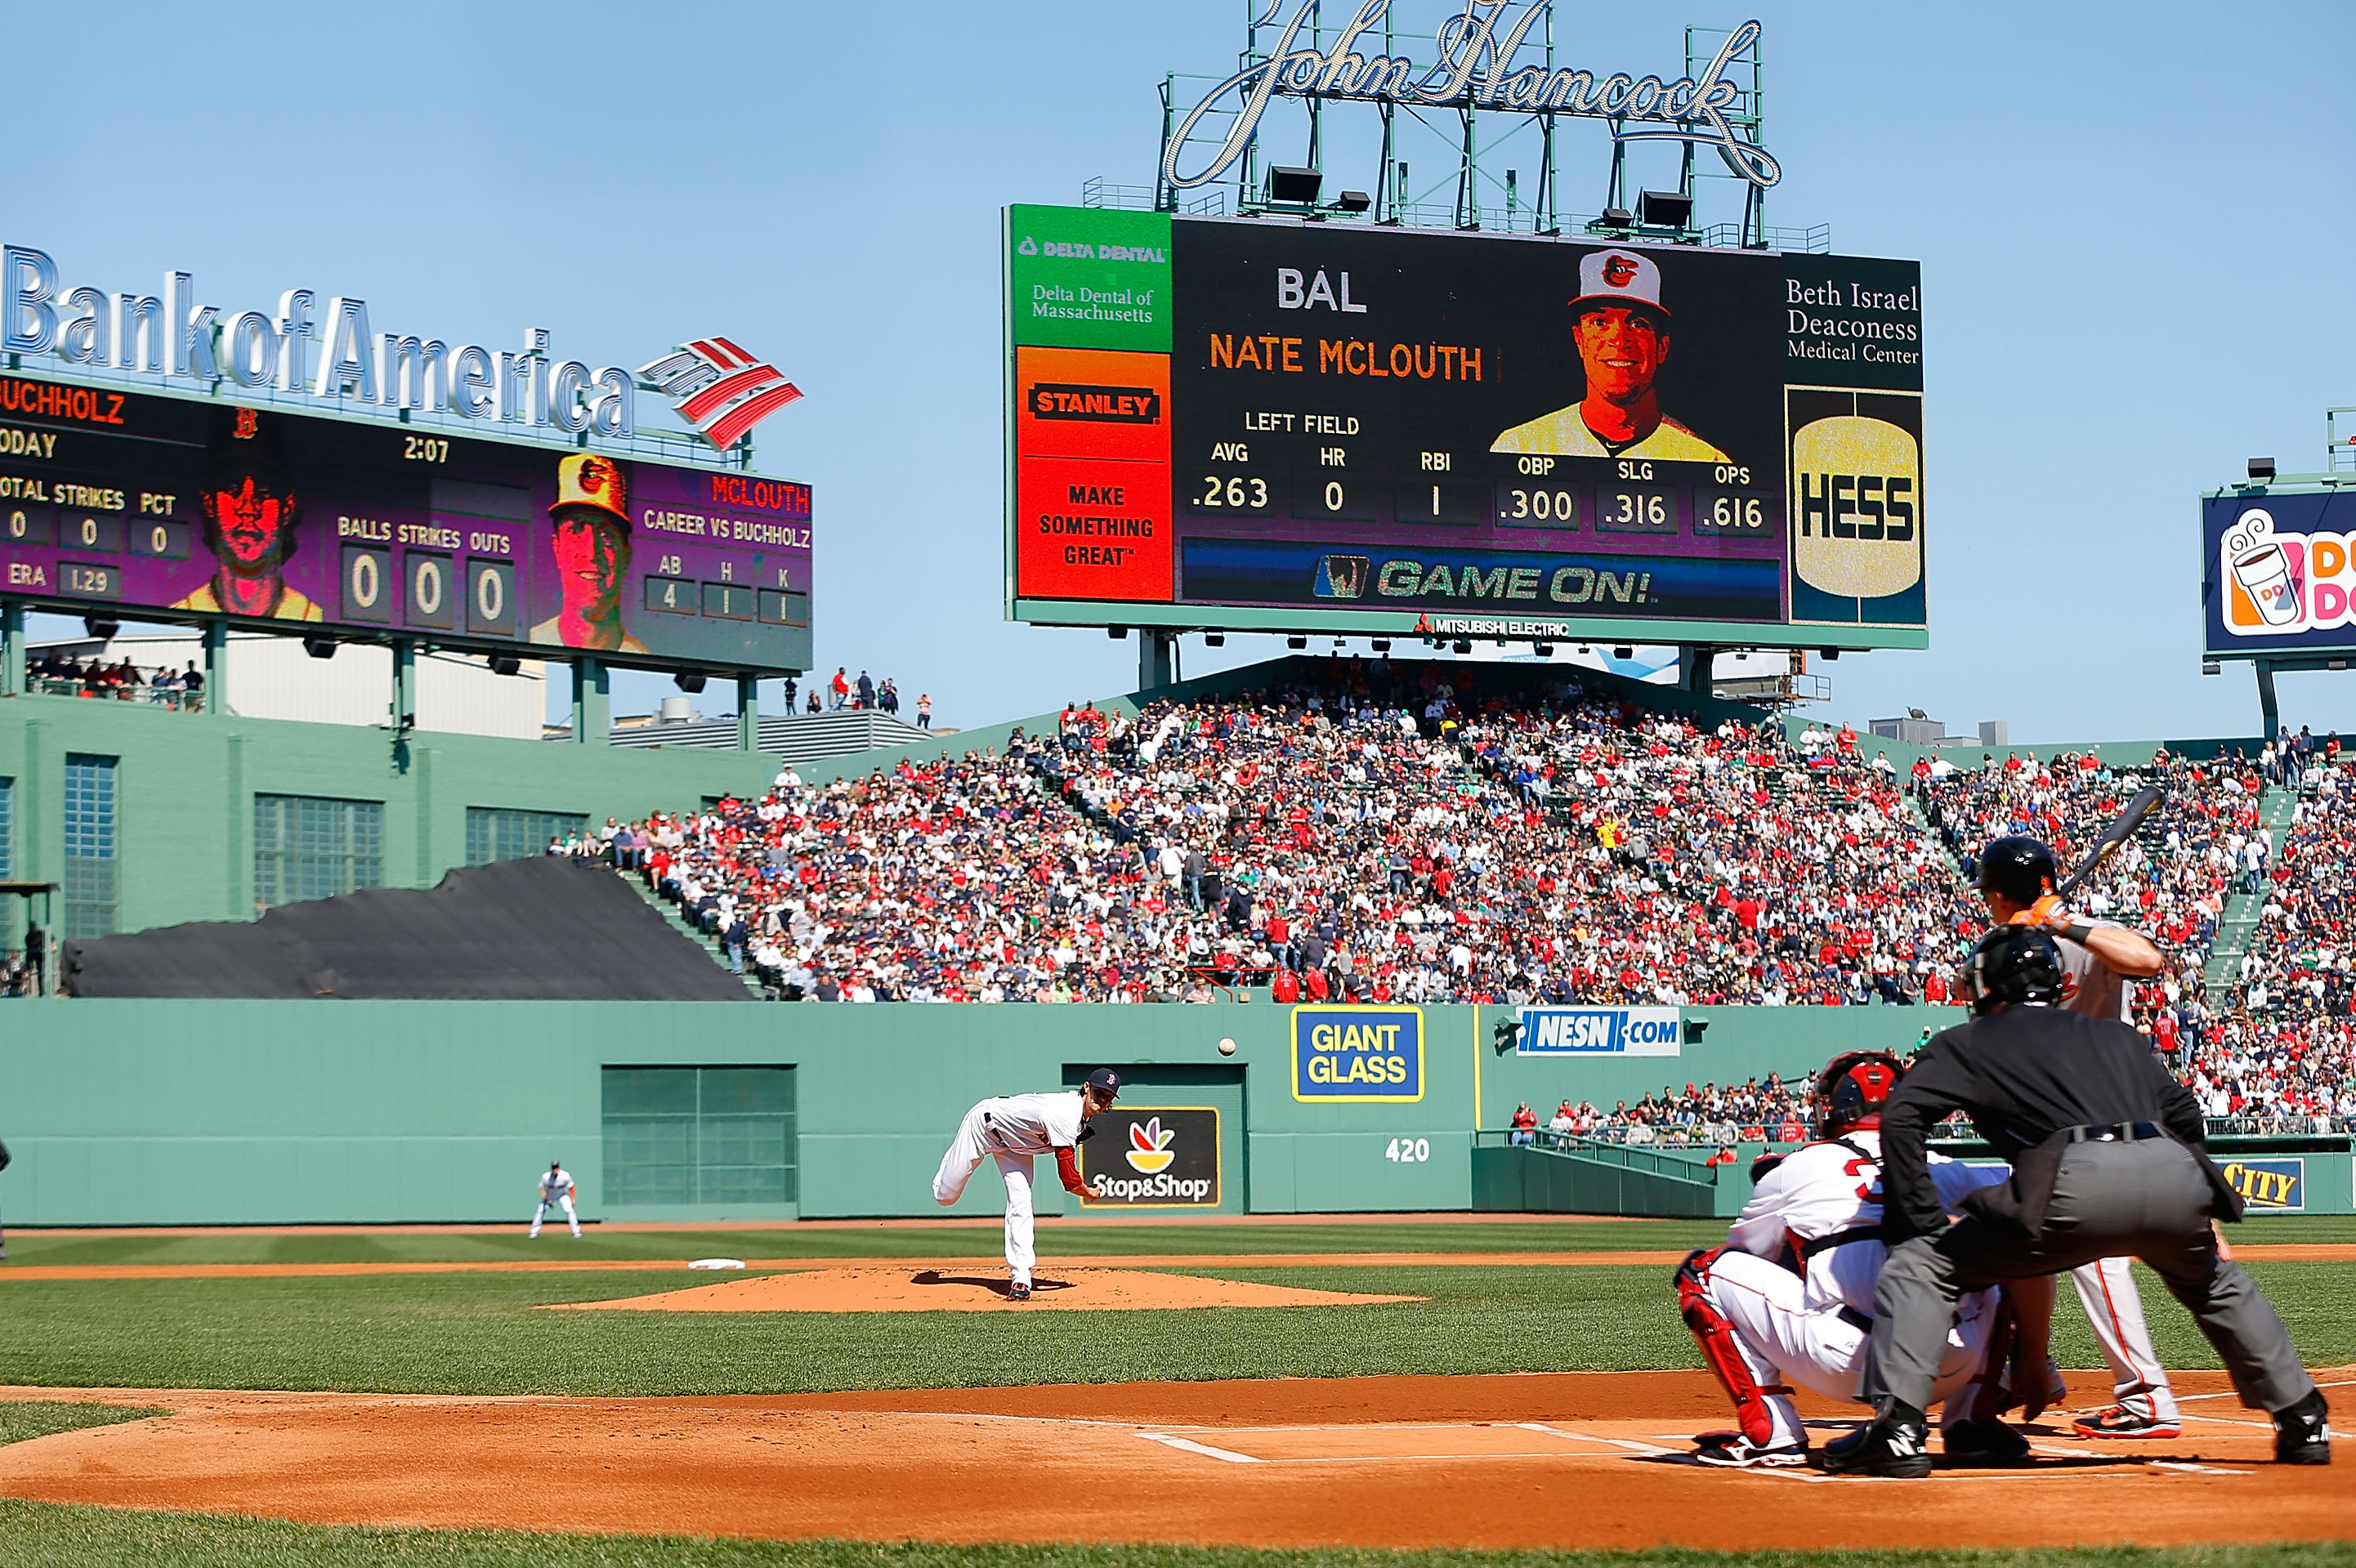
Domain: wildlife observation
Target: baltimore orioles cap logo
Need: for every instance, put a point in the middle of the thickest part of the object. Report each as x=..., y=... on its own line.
x=1620, y=271
x=1624, y=277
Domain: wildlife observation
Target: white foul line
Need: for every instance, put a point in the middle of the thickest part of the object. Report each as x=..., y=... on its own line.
x=1190, y=1446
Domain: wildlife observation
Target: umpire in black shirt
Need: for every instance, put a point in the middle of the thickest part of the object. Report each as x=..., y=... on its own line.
x=2106, y=1157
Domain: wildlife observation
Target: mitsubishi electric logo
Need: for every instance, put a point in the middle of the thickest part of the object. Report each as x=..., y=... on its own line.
x=719, y=388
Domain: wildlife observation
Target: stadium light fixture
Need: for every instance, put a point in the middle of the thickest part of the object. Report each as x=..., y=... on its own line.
x=2210, y=667
x=1464, y=645
x=1296, y=644
x=505, y=664
x=1340, y=642
x=1380, y=645
x=2261, y=469
x=1617, y=217
x=101, y=627
x=319, y=647
x=1544, y=650
x=1354, y=201
x=1663, y=208
x=1828, y=653
x=1214, y=639
x=1287, y=184
x=688, y=681
x=1118, y=634
x=1623, y=653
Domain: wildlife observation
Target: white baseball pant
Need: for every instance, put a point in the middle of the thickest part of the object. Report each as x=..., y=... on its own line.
x=2107, y=1291
x=564, y=1201
x=967, y=1151
x=1782, y=1339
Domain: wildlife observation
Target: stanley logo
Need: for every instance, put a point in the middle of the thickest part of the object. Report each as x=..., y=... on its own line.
x=1105, y=405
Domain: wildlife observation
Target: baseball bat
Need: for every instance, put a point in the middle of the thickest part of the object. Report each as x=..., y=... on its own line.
x=2121, y=829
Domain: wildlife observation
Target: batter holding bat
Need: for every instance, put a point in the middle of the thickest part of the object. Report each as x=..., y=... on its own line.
x=2016, y=876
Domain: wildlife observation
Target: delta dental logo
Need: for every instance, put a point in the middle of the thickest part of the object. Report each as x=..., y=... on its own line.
x=1149, y=1146
x=719, y=388
x=1069, y=252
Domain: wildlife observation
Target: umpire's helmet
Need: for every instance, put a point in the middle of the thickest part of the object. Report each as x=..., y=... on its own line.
x=2022, y=868
x=2014, y=963
x=1852, y=1089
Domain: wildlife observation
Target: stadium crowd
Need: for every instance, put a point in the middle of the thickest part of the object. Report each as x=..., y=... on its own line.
x=1435, y=833
x=1382, y=837
x=2277, y=1047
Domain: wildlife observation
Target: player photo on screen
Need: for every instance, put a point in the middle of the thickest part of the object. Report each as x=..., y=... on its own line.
x=589, y=536
x=251, y=517
x=1620, y=327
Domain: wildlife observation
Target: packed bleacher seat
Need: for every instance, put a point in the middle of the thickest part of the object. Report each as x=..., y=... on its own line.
x=2275, y=1047
x=1378, y=835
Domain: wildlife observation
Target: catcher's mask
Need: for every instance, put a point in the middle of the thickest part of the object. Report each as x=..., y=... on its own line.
x=1852, y=1089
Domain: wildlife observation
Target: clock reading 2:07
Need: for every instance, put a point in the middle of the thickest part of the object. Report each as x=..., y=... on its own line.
x=1270, y=424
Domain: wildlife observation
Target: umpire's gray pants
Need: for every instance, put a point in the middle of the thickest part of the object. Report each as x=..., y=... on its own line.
x=2149, y=1200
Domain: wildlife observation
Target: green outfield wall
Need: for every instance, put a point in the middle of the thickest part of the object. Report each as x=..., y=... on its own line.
x=276, y=1112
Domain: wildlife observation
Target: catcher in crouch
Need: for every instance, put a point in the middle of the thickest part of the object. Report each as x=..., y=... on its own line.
x=1788, y=1299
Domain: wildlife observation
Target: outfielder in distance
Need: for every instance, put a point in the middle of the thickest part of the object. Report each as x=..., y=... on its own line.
x=1622, y=332
x=1788, y=1299
x=1014, y=1129
x=2016, y=876
x=556, y=1191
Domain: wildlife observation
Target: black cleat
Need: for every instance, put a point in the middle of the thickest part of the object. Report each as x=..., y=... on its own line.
x=1897, y=1443
x=2303, y=1432
x=1984, y=1446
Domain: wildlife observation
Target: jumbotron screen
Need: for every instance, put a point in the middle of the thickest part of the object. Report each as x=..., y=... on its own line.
x=1264, y=419
x=174, y=508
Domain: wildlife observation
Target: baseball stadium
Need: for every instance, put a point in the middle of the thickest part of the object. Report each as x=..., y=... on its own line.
x=1508, y=1075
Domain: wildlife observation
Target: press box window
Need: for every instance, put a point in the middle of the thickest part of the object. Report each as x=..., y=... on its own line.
x=308, y=847
x=91, y=886
x=496, y=833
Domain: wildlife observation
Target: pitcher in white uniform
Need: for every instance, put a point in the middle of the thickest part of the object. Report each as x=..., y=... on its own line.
x=556, y=1191
x=1013, y=1130
x=2098, y=958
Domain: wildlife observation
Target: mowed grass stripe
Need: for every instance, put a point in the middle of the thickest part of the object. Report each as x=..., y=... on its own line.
x=59, y=1536
x=478, y=1334
x=1057, y=1240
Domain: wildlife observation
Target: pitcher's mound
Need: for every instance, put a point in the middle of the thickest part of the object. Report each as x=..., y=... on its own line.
x=887, y=1289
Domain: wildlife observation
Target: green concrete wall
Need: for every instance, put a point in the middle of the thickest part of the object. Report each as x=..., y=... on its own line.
x=185, y=785
x=255, y=1112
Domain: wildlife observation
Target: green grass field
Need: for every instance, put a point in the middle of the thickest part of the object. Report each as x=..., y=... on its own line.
x=477, y=1333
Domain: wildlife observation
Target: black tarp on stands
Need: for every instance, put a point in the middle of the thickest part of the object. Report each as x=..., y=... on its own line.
x=543, y=929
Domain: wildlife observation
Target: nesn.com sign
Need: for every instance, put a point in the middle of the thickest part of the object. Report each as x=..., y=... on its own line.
x=1599, y=1031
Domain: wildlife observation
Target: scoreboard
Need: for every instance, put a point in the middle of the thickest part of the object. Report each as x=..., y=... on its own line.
x=1268, y=423
x=175, y=508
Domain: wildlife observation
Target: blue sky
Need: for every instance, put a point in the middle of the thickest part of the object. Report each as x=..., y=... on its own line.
x=2134, y=224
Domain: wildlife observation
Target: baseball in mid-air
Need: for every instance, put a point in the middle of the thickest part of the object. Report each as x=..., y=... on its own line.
x=1227, y=1048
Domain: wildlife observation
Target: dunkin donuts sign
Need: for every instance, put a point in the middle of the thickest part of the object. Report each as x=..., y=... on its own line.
x=2281, y=575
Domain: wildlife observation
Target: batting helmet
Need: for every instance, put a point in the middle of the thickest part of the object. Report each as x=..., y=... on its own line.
x=1852, y=1089
x=2019, y=868
x=2014, y=963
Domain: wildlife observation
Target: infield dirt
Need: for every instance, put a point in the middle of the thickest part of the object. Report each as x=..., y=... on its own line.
x=1579, y=1458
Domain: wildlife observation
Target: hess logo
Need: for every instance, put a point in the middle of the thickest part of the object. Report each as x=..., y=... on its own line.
x=1619, y=272
x=1149, y=1146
